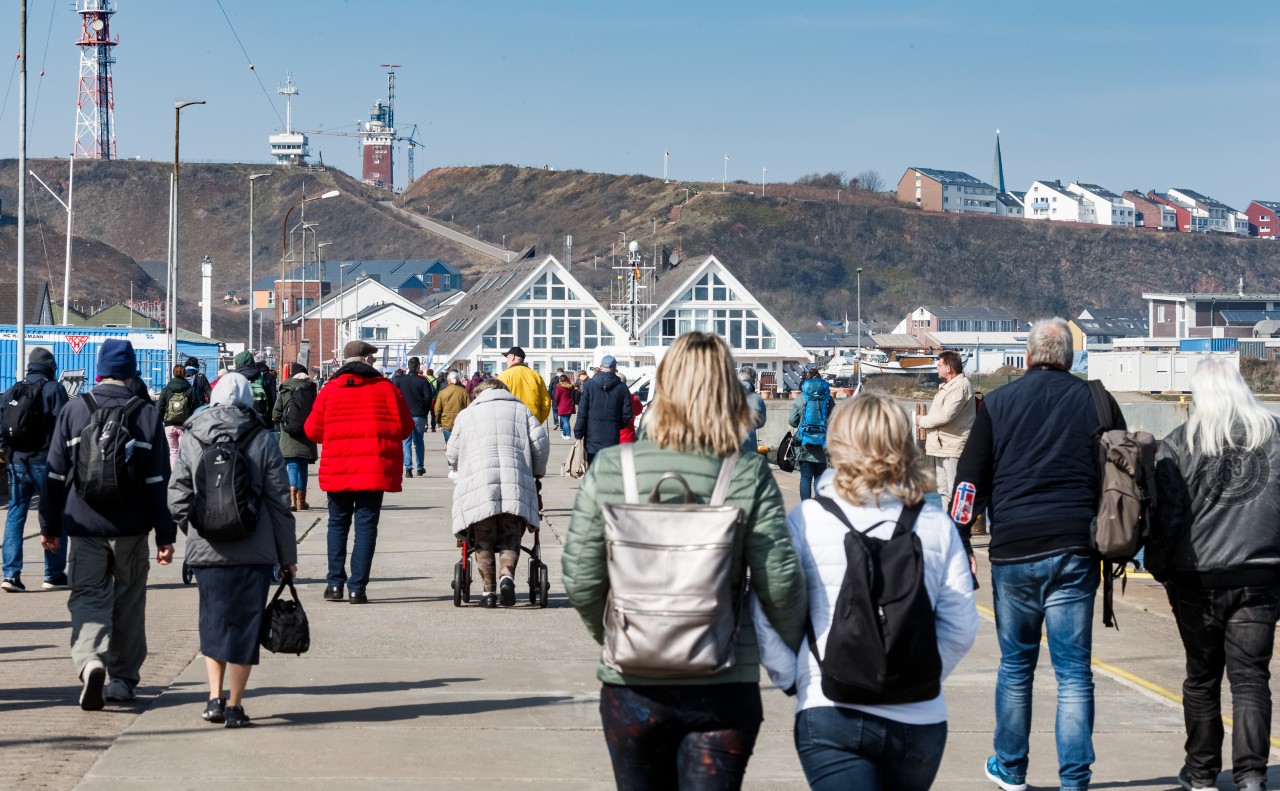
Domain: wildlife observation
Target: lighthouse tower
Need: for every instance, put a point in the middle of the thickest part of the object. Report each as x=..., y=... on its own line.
x=376, y=141
x=95, y=106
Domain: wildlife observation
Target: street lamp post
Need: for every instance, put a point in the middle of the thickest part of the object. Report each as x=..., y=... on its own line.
x=838, y=195
x=859, y=329
x=320, y=318
x=173, y=221
x=302, y=330
x=252, y=178
x=284, y=249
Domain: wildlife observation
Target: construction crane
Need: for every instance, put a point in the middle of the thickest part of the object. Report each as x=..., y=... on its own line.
x=411, y=141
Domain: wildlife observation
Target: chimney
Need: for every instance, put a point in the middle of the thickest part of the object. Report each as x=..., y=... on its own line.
x=206, y=297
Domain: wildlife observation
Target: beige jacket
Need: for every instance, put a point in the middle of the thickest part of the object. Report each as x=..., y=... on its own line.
x=950, y=418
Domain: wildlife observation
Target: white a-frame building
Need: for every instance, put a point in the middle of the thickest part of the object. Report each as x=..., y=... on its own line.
x=536, y=304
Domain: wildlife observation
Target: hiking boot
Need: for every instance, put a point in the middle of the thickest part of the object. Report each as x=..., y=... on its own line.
x=13, y=584
x=489, y=601
x=358, y=598
x=58, y=583
x=214, y=711
x=507, y=592
x=408, y=472
x=118, y=691
x=333, y=593
x=1186, y=781
x=1002, y=778
x=234, y=717
x=94, y=676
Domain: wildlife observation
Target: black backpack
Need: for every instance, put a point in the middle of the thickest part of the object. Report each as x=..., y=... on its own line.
x=297, y=406
x=27, y=423
x=882, y=647
x=104, y=474
x=225, y=508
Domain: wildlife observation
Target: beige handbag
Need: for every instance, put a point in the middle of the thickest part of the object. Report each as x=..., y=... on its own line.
x=575, y=465
x=673, y=610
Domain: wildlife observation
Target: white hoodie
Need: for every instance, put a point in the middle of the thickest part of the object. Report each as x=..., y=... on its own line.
x=818, y=538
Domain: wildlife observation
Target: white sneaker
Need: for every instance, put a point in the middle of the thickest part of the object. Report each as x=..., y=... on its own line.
x=453, y=475
x=118, y=690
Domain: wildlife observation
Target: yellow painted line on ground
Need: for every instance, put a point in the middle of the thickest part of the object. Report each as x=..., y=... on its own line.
x=1150, y=686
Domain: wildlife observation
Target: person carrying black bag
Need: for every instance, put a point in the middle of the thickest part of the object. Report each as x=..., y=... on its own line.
x=232, y=554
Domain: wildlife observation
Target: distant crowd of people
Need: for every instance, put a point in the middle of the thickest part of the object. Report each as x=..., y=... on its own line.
x=680, y=556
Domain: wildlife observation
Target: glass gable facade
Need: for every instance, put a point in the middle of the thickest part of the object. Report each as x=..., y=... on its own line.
x=531, y=326
x=741, y=327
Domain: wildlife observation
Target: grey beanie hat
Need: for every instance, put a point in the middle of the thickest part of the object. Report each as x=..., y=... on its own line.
x=42, y=356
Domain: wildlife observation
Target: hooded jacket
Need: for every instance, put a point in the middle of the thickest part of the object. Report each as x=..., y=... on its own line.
x=230, y=414
x=60, y=504
x=360, y=419
x=178, y=385
x=562, y=397
x=603, y=411
x=294, y=446
x=1218, y=517
x=55, y=398
x=498, y=448
x=526, y=384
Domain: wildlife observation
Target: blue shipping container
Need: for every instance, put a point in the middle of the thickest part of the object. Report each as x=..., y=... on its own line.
x=1208, y=344
x=76, y=348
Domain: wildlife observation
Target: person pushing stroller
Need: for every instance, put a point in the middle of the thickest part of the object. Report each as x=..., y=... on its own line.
x=500, y=450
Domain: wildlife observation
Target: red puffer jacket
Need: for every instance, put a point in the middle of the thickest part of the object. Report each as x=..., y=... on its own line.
x=360, y=418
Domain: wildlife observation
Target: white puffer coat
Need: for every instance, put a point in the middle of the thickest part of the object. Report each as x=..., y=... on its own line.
x=498, y=448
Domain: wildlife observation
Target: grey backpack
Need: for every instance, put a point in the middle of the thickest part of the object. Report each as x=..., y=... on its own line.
x=673, y=609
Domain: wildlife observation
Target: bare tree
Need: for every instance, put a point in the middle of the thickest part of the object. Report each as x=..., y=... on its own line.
x=831, y=180
x=869, y=180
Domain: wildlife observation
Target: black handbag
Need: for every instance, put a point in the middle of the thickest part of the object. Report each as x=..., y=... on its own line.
x=285, y=629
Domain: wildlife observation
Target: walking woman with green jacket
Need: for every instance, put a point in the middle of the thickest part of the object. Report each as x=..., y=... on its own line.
x=696, y=731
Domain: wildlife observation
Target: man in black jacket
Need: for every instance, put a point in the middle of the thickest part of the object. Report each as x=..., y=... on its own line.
x=1031, y=462
x=419, y=395
x=605, y=407
x=26, y=474
x=107, y=538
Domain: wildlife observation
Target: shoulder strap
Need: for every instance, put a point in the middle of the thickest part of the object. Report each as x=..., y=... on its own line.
x=723, y=480
x=835, y=510
x=629, y=485
x=90, y=402
x=1101, y=403
x=133, y=405
x=907, y=519
x=905, y=523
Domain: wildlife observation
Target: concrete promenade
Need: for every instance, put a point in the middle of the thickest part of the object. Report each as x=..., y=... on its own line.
x=409, y=692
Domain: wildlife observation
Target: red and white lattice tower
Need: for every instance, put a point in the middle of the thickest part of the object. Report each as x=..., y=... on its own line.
x=95, y=106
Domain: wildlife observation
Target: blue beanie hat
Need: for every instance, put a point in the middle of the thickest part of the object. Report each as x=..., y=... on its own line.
x=116, y=360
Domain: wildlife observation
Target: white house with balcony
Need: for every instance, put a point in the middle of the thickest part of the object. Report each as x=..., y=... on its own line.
x=1104, y=206
x=1049, y=200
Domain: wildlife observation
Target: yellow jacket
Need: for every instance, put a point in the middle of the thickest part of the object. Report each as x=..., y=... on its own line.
x=527, y=385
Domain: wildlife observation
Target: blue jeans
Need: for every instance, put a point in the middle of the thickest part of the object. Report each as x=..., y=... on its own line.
x=415, y=441
x=845, y=748
x=25, y=481
x=810, y=472
x=447, y=433
x=364, y=508
x=1058, y=593
x=564, y=426
x=297, y=469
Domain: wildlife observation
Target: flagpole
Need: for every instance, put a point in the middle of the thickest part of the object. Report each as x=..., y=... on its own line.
x=666, y=155
x=725, y=179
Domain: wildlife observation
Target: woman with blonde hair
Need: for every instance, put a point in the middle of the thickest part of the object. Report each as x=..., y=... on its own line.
x=878, y=480
x=1216, y=546
x=694, y=730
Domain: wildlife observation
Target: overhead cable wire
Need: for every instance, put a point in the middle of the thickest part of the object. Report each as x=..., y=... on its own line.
x=9, y=90
x=45, y=59
x=265, y=93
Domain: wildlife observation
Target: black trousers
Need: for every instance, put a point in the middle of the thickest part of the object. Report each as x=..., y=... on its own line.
x=1231, y=629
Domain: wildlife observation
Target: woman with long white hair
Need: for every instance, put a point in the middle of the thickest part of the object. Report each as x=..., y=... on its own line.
x=1216, y=546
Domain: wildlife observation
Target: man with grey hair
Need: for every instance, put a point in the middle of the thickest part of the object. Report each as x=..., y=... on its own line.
x=1031, y=464
x=759, y=413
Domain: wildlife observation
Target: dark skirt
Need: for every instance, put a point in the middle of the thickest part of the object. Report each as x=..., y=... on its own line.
x=232, y=599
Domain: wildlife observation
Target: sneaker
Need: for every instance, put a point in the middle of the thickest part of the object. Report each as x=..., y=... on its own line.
x=58, y=583
x=1002, y=778
x=13, y=584
x=1256, y=784
x=507, y=592
x=453, y=475
x=333, y=593
x=94, y=675
x=408, y=472
x=118, y=690
x=422, y=473
x=358, y=598
x=214, y=710
x=1190, y=784
x=234, y=717
x=489, y=601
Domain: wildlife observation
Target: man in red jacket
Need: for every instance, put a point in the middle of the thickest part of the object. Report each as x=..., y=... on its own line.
x=361, y=420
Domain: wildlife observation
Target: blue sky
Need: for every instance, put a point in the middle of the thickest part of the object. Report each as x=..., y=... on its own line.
x=1099, y=92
